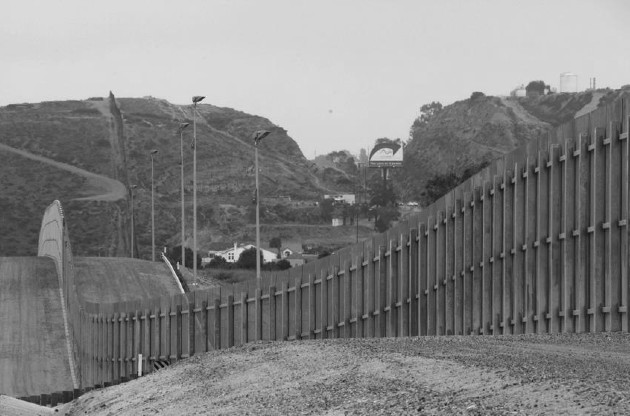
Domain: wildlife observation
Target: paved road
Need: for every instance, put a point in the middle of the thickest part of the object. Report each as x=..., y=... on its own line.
x=33, y=351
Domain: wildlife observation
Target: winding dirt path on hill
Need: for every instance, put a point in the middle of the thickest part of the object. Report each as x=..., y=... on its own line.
x=101, y=187
x=520, y=112
x=592, y=106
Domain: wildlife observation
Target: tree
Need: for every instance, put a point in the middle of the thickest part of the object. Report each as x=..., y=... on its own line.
x=283, y=264
x=175, y=255
x=439, y=185
x=276, y=243
x=477, y=95
x=382, y=196
x=427, y=113
x=326, y=209
x=382, y=193
x=385, y=216
x=247, y=259
x=219, y=263
x=536, y=88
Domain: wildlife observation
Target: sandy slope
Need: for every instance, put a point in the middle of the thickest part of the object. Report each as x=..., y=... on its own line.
x=520, y=375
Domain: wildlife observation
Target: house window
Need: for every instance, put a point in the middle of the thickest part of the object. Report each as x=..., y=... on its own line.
x=231, y=256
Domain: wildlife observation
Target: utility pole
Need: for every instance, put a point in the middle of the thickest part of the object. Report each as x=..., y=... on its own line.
x=195, y=100
x=182, y=126
x=153, y=153
x=258, y=136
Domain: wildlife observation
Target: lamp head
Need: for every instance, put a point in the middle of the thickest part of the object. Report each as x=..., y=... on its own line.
x=197, y=98
x=154, y=151
x=259, y=135
x=182, y=126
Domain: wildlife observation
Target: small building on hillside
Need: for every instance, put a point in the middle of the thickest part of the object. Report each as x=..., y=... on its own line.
x=231, y=255
x=290, y=248
x=519, y=91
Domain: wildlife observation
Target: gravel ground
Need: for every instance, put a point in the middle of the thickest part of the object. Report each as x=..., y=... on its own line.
x=479, y=375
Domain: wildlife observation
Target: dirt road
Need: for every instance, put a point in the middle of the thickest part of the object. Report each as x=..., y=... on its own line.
x=520, y=375
x=100, y=188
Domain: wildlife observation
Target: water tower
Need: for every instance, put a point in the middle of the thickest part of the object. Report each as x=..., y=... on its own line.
x=568, y=82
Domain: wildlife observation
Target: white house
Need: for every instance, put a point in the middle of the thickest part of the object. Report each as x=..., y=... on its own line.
x=289, y=249
x=232, y=255
x=519, y=91
x=347, y=198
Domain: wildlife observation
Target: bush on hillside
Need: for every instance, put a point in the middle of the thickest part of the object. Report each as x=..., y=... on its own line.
x=536, y=88
x=384, y=218
x=477, y=95
x=218, y=263
x=427, y=113
x=175, y=255
x=439, y=185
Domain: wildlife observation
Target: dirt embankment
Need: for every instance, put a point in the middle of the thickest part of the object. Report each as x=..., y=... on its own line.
x=480, y=375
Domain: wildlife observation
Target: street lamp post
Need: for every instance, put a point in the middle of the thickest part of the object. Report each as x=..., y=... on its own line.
x=182, y=126
x=258, y=136
x=356, y=211
x=153, y=153
x=195, y=100
x=131, y=188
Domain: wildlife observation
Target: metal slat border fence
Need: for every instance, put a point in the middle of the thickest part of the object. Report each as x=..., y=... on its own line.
x=535, y=243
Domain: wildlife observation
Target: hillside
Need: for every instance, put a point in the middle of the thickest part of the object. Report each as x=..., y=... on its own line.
x=112, y=137
x=468, y=134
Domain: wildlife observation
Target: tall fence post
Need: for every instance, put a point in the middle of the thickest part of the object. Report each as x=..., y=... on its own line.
x=623, y=226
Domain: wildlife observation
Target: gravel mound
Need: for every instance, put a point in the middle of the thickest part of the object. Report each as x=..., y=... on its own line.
x=480, y=375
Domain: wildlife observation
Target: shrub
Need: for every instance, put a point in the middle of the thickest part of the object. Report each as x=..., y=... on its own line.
x=477, y=95
x=223, y=276
x=247, y=259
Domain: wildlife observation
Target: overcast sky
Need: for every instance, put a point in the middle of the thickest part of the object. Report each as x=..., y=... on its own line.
x=337, y=74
